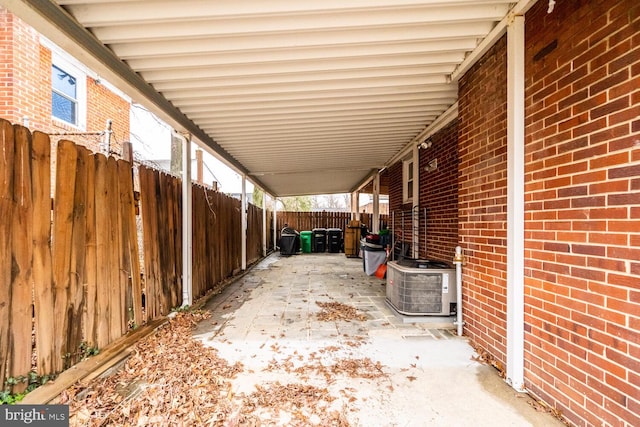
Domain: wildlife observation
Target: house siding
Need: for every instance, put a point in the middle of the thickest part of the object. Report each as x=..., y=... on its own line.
x=439, y=194
x=582, y=233
x=25, y=90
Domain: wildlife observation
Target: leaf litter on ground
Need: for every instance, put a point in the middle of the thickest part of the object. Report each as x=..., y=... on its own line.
x=332, y=311
x=173, y=379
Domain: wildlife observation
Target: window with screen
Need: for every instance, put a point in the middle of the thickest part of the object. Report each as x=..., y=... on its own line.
x=64, y=95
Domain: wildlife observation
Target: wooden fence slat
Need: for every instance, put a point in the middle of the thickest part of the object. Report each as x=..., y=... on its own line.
x=162, y=230
x=217, y=237
x=7, y=154
x=151, y=205
x=145, y=196
x=91, y=259
x=125, y=204
x=197, y=254
x=166, y=231
x=62, y=241
x=131, y=267
x=42, y=273
x=205, y=269
x=176, y=290
x=22, y=255
x=223, y=251
x=113, y=246
x=75, y=304
x=103, y=253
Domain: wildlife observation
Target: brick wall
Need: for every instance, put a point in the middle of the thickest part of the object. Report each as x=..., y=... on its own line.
x=482, y=196
x=20, y=69
x=395, y=187
x=399, y=213
x=583, y=209
x=439, y=194
x=6, y=59
x=25, y=90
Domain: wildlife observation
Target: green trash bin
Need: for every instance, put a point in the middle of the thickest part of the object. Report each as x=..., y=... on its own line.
x=305, y=241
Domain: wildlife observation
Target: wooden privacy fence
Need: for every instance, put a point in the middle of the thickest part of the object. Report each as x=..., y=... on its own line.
x=74, y=272
x=161, y=208
x=70, y=268
x=254, y=233
x=216, y=238
x=302, y=221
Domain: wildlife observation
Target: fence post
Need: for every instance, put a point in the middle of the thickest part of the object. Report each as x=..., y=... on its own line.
x=127, y=151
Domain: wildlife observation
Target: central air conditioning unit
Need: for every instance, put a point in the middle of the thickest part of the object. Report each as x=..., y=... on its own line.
x=421, y=287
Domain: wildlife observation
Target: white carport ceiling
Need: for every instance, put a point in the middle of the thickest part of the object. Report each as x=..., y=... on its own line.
x=305, y=97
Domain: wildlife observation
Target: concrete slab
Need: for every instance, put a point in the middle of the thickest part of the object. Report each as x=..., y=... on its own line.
x=428, y=376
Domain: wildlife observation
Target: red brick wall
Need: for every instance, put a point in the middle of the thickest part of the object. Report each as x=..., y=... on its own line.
x=482, y=196
x=583, y=209
x=439, y=195
x=395, y=188
x=6, y=61
x=25, y=89
x=20, y=69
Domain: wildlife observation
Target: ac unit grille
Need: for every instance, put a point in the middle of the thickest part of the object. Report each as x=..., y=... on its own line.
x=416, y=291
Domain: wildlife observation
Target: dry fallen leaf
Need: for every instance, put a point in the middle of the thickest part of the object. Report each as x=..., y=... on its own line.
x=170, y=378
x=332, y=311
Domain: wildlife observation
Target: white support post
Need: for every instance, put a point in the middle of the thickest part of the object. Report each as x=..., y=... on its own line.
x=375, y=227
x=275, y=223
x=515, y=203
x=355, y=205
x=243, y=238
x=187, y=223
x=416, y=203
x=264, y=224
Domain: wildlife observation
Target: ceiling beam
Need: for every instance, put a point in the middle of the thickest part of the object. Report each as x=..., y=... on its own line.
x=132, y=29
x=104, y=13
x=311, y=77
x=316, y=96
x=296, y=59
x=358, y=39
x=233, y=109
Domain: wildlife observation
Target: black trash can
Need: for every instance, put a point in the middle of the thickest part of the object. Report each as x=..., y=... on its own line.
x=289, y=241
x=334, y=239
x=319, y=242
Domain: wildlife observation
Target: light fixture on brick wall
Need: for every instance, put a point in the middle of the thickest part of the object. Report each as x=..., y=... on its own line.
x=426, y=144
x=431, y=166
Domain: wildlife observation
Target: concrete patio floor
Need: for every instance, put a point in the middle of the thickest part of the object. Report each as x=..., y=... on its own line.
x=267, y=320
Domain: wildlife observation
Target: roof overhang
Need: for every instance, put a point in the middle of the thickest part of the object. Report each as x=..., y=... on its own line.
x=300, y=97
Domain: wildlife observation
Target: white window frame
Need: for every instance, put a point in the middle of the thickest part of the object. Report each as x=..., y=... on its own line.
x=407, y=170
x=81, y=90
